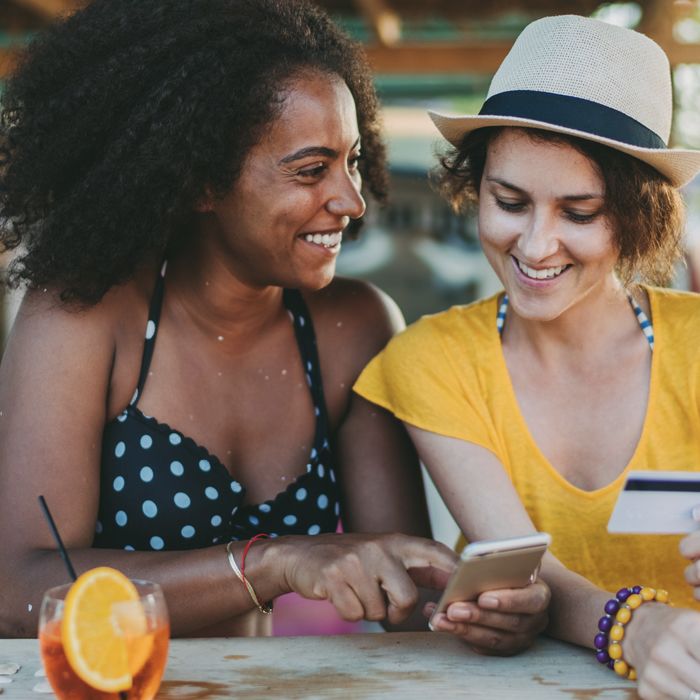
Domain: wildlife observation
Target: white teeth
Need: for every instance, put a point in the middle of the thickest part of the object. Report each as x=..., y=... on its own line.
x=327, y=240
x=544, y=274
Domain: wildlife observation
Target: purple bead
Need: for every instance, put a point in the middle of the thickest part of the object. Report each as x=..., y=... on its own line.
x=623, y=594
x=600, y=641
x=611, y=664
x=611, y=607
x=637, y=589
x=602, y=657
x=605, y=623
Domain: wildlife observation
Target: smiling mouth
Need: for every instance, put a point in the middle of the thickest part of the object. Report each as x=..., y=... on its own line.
x=327, y=240
x=545, y=273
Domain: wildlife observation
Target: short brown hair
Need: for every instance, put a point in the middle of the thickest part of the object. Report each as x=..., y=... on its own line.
x=646, y=211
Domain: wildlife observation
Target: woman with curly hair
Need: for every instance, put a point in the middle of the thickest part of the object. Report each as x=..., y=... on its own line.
x=531, y=408
x=185, y=170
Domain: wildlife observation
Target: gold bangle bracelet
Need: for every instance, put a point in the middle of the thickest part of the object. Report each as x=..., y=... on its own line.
x=266, y=609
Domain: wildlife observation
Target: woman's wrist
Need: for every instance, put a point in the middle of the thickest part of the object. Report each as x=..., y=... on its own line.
x=266, y=607
x=619, y=612
x=265, y=563
x=271, y=560
x=642, y=631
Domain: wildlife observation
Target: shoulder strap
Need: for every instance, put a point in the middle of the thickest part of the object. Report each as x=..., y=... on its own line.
x=151, y=332
x=306, y=340
x=642, y=319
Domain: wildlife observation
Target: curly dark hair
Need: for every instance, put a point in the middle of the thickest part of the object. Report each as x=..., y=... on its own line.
x=646, y=211
x=120, y=117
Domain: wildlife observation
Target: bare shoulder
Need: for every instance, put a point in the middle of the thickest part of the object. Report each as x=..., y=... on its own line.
x=355, y=313
x=44, y=321
x=42, y=315
x=360, y=304
x=62, y=343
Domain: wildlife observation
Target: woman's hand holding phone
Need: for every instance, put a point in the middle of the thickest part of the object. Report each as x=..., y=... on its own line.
x=493, y=600
x=502, y=622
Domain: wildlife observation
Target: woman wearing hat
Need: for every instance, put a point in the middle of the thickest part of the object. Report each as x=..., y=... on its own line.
x=530, y=407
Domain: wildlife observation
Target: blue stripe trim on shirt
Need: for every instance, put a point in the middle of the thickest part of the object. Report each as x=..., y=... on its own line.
x=642, y=318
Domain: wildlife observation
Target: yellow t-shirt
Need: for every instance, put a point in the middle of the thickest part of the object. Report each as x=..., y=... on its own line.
x=447, y=374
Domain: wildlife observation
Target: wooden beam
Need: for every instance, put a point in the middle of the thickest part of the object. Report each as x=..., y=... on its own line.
x=8, y=61
x=682, y=53
x=422, y=59
x=483, y=57
x=385, y=23
x=658, y=20
x=50, y=9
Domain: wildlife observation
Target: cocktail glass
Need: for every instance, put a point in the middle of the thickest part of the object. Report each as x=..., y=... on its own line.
x=147, y=650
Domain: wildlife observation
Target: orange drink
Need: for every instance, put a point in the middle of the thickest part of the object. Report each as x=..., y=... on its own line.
x=104, y=636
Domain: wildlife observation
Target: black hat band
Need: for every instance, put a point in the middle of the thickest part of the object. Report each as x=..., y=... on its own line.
x=572, y=113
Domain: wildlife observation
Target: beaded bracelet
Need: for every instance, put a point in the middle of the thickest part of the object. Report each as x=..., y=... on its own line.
x=618, y=612
x=265, y=608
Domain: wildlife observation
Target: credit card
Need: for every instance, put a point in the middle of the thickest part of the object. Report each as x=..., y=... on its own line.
x=658, y=502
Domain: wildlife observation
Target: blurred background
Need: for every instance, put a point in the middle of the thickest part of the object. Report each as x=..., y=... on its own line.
x=437, y=54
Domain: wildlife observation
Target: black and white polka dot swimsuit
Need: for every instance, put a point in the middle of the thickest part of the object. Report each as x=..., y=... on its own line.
x=159, y=490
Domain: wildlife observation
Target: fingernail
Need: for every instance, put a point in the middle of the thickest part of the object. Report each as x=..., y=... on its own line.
x=488, y=601
x=440, y=623
x=460, y=615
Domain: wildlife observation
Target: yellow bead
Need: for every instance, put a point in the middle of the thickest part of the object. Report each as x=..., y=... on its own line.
x=617, y=632
x=634, y=601
x=662, y=596
x=621, y=667
x=647, y=593
x=632, y=675
x=615, y=651
x=624, y=615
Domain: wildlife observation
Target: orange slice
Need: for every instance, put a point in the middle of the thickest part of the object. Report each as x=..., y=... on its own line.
x=103, y=626
x=131, y=625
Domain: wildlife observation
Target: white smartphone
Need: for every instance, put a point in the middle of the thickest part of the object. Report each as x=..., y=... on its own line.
x=494, y=565
x=657, y=502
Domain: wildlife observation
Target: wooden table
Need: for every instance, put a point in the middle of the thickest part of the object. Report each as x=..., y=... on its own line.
x=392, y=665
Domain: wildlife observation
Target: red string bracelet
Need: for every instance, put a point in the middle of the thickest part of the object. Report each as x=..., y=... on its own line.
x=259, y=536
x=265, y=608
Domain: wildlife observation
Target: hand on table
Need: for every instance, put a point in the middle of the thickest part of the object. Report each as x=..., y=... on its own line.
x=501, y=622
x=663, y=644
x=371, y=577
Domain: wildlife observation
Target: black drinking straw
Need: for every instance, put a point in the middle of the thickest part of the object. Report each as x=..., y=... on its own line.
x=64, y=553
x=54, y=531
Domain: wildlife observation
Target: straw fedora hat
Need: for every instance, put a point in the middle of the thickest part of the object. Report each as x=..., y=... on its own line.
x=580, y=76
